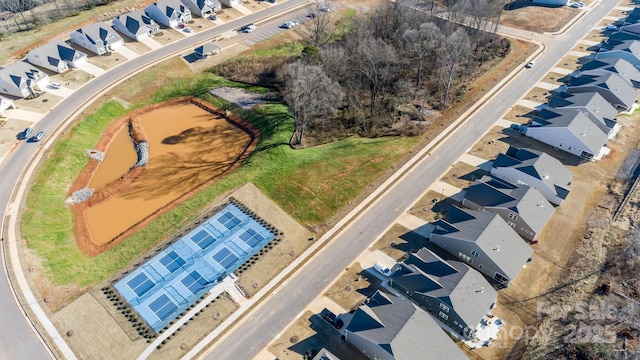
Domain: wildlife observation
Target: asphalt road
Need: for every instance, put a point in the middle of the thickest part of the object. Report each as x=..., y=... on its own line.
x=17, y=339
x=250, y=337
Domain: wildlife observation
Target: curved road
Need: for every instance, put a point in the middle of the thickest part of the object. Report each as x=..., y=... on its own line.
x=17, y=338
x=278, y=310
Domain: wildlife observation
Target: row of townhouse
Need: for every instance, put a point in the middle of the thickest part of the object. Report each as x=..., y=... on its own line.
x=580, y=116
x=22, y=80
x=484, y=240
x=500, y=212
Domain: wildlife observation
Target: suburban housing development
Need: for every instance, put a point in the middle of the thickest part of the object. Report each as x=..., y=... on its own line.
x=429, y=297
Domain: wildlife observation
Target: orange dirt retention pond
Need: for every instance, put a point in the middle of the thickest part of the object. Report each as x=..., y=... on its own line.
x=190, y=145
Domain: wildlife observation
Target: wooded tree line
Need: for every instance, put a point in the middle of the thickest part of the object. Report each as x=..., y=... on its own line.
x=361, y=80
x=33, y=13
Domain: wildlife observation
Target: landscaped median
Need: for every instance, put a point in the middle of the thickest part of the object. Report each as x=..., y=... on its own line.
x=310, y=184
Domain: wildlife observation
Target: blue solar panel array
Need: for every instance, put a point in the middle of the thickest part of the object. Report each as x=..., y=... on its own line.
x=174, y=279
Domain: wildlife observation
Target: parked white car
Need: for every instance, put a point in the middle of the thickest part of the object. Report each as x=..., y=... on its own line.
x=55, y=85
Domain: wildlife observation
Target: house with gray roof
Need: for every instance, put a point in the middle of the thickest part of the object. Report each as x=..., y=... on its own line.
x=5, y=104
x=169, y=13
x=203, y=8
x=572, y=131
x=615, y=65
x=388, y=327
x=22, y=79
x=633, y=29
x=593, y=104
x=617, y=38
x=484, y=241
x=612, y=86
x=536, y=169
x=206, y=50
x=136, y=25
x=626, y=49
x=524, y=208
x=451, y=291
x=99, y=38
x=56, y=56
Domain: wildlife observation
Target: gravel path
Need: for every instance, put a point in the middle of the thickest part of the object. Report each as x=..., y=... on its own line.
x=243, y=98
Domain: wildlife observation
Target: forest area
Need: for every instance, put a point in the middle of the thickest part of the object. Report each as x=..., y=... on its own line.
x=29, y=14
x=390, y=71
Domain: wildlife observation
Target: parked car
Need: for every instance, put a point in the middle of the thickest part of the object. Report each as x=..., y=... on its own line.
x=324, y=9
x=294, y=22
x=382, y=269
x=213, y=17
x=530, y=65
x=286, y=25
x=188, y=29
x=312, y=15
x=38, y=136
x=610, y=28
x=55, y=85
x=577, y=5
x=25, y=134
x=331, y=318
x=248, y=28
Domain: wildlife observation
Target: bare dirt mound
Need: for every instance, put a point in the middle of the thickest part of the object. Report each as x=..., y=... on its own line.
x=133, y=177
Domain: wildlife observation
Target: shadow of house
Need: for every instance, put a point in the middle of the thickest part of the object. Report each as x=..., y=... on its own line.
x=325, y=337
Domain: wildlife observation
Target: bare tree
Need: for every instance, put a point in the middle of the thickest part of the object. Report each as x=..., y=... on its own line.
x=422, y=45
x=374, y=60
x=15, y=7
x=310, y=94
x=317, y=28
x=455, y=48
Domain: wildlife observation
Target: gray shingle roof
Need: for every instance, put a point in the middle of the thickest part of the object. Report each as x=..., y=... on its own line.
x=57, y=49
x=539, y=165
x=168, y=7
x=632, y=46
x=592, y=101
x=594, y=134
x=490, y=233
x=615, y=84
x=100, y=31
x=617, y=65
x=325, y=354
x=524, y=200
x=404, y=331
x=465, y=290
x=206, y=48
x=19, y=72
x=136, y=19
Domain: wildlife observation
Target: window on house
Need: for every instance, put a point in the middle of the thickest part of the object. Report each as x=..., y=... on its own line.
x=444, y=307
x=455, y=322
x=513, y=225
x=443, y=315
x=513, y=216
x=475, y=253
x=481, y=266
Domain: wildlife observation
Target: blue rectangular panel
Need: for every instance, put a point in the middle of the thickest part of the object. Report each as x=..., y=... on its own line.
x=199, y=236
x=194, y=282
x=172, y=261
x=251, y=238
x=229, y=220
x=225, y=258
x=140, y=284
x=162, y=306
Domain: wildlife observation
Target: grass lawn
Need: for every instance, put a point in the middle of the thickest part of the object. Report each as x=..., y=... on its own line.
x=310, y=184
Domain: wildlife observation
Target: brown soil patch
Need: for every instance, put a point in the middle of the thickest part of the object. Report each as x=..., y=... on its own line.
x=398, y=241
x=519, y=114
x=347, y=291
x=170, y=172
x=538, y=95
x=547, y=19
x=461, y=175
x=432, y=206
